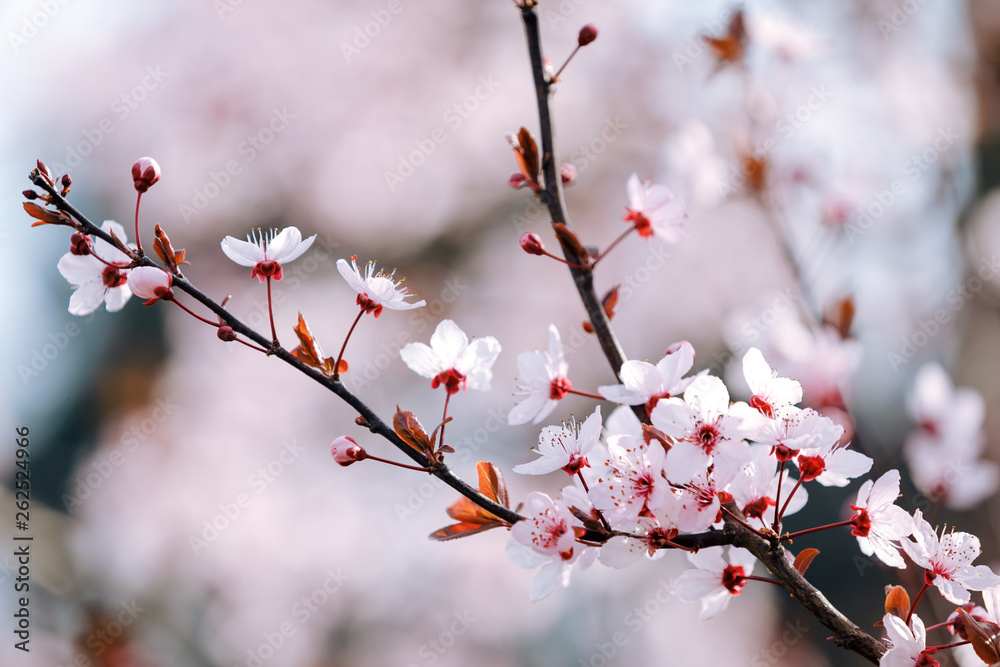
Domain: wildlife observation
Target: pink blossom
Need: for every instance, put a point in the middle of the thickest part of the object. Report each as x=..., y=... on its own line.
x=642, y=383
x=376, y=289
x=714, y=582
x=150, y=283
x=451, y=360
x=631, y=480
x=346, y=451
x=772, y=395
x=947, y=560
x=655, y=211
x=145, y=173
x=267, y=252
x=879, y=524
x=94, y=281
x=542, y=380
x=908, y=644
x=564, y=447
x=755, y=488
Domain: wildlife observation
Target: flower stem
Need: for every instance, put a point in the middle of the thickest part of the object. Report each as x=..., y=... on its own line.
x=444, y=417
x=585, y=393
x=600, y=514
x=138, y=241
x=336, y=368
x=800, y=533
x=192, y=313
x=613, y=244
x=752, y=577
x=791, y=493
x=777, y=499
x=270, y=312
x=740, y=520
x=398, y=465
x=560, y=259
x=555, y=77
x=917, y=599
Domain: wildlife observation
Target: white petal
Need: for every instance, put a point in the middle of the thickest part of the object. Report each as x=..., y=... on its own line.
x=421, y=360
x=87, y=298
x=243, y=253
x=116, y=298
x=448, y=342
x=350, y=274
x=620, y=552
x=79, y=269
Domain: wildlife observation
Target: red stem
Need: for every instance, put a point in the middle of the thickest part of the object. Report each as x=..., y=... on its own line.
x=917, y=599
x=791, y=493
x=613, y=244
x=394, y=463
x=777, y=498
x=138, y=241
x=191, y=313
x=555, y=77
x=336, y=368
x=444, y=418
x=800, y=533
x=270, y=312
x=585, y=393
x=560, y=259
x=752, y=577
x=600, y=514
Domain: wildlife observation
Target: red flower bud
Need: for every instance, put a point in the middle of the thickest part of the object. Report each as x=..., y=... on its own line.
x=568, y=173
x=145, y=172
x=30, y=194
x=80, y=244
x=67, y=180
x=588, y=33
x=226, y=333
x=532, y=244
x=345, y=451
x=151, y=283
x=44, y=171
x=517, y=180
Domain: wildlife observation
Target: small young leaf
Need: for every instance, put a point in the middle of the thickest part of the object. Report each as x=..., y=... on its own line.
x=310, y=353
x=45, y=216
x=410, y=431
x=805, y=559
x=491, y=483
x=984, y=637
x=897, y=601
x=529, y=153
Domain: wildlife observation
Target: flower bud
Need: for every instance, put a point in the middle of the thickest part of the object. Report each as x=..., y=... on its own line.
x=151, y=283
x=44, y=171
x=548, y=68
x=79, y=244
x=145, y=172
x=67, y=181
x=30, y=194
x=345, y=451
x=588, y=33
x=226, y=333
x=517, y=180
x=532, y=244
x=567, y=172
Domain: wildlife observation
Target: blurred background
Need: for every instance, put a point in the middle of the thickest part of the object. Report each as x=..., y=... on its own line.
x=835, y=157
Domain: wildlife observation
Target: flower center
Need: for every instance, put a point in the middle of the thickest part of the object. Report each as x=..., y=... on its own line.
x=369, y=305
x=756, y=508
x=575, y=463
x=811, y=467
x=761, y=405
x=861, y=521
x=451, y=379
x=641, y=222
x=734, y=579
x=708, y=437
x=267, y=269
x=113, y=277
x=559, y=388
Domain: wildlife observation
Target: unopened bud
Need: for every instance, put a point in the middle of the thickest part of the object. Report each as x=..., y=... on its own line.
x=151, y=283
x=79, y=244
x=588, y=33
x=345, y=451
x=67, y=180
x=30, y=194
x=145, y=172
x=226, y=333
x=532, y=244
x=568, y=173
x=44, y=171
x=517, y=180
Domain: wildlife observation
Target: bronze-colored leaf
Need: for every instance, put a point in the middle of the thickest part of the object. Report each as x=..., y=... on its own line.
x=805, y=559
x=610, y=301
x=165, y=251
x=310, y=353
x=457, y=530
x=529, y=154
x=984, y=637
x=45, y=216
x=730, y=47
x=588, y=327
x=574, y=250
x=408, y=428
x=651, y=434
x=491, y=483
x=841, y=317
x=897, y=601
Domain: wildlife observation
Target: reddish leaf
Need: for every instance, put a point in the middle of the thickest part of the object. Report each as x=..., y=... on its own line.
x=45, y=216
x=897, y=602
x=528, y=157
x=588, y=327
x=410, y=431
x=755, y=168
x=310, y=353
x=841, y=317
x=575, y=252
x=984, y=637
x=491, y=483
x=471, y=517
x=610, y=300
x=165, y=251
x=730, y=47
x=457, y=530
x=805, y=559
x=651, y=433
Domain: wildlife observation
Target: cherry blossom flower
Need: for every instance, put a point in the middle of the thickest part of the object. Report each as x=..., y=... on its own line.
x=772, y=395
x=704, y=429
x=150, y=283
x=798, y=429
x=831, y=465
x=542, y=379
x=714, y=582
x=95, y=281
x=145, y=173
x=655, y=210
x=564, y=447
x=657, y=529
x=701, y=506
x=947, y=560
x=267, y=251
x=451, y=360
x=644, y=383
x=755, y=488
x=879, y=524
x=909, y=644
x=939, y=408
x=376, y=290
x=631, y=479
x=951, y=471
x=545, y=538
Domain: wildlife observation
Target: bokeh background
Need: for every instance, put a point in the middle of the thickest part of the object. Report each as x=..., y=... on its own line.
x=875, y=144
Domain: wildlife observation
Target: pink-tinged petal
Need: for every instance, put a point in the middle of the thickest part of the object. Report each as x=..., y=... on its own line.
x=952, y=591
x=87, y=298
x=284, y=242
x=540, y=466
x=636, y=194
x=556, y=355
x=243, y=253
x=116, y=298
x=714, y=605
x=709, y=559
x=991, y=600
x=80, y=269
x=684, y=462
x=147, y=282
x=978, y=577
x=528, y=409
x=108, y=252
x=642, y=377
x=620, y=552
x=448, y=342
x=882, y=550
x=708, y=397
x=531, y=367
x=678, y=361
x=673, y=417
x=421, y=360
x=883, y=491
x=351, y=275
x=619, y=393
x=478, y=358
x=589, y=432
x=524, y=557
x=978, y=483
x=622, y=421
x=731, y=456
x=844, y=465
x=694, y=585
x=546, y=579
